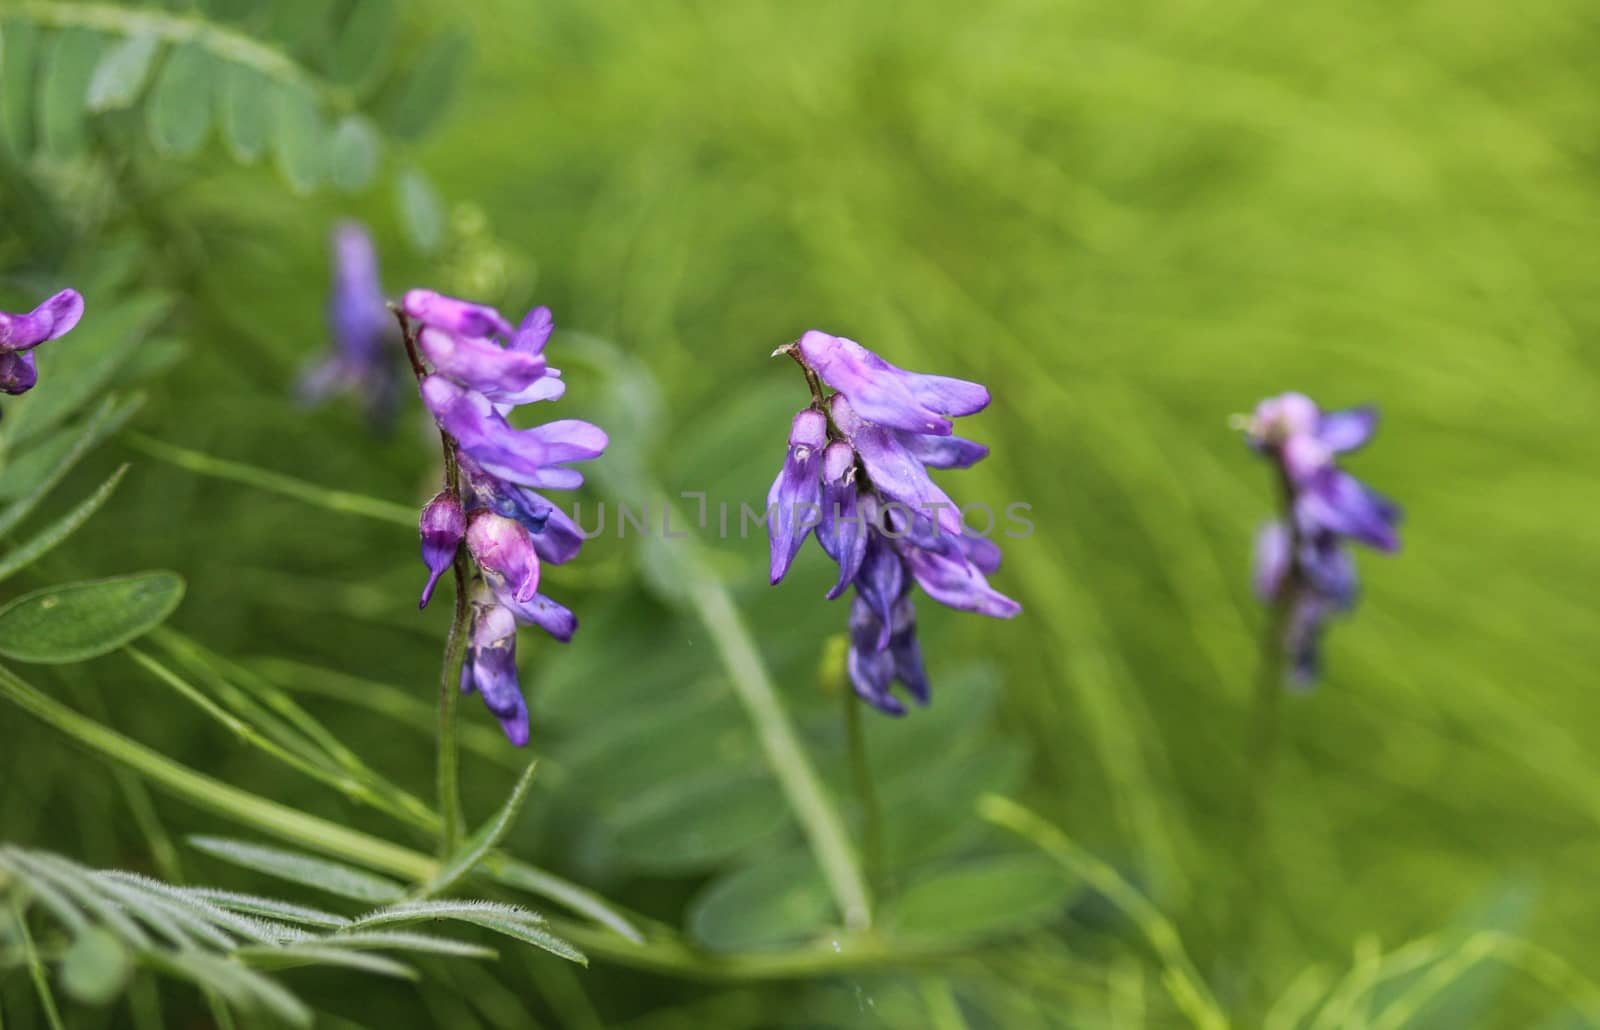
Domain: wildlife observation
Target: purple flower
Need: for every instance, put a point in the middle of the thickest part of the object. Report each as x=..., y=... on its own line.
x=490, y=668
x=442, y=526
x=857, y=472
x=1301, y=563
x=19, y=334
x=476, y=369
x=886, y=395
x=362, y=358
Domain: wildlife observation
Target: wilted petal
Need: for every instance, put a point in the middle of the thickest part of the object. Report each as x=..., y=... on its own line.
x=908, y=667
x=871, y=666
x=482, y=365
x=442, y=526
x=886, y=395
x=794, y=503
x=50, y=320
x=504, y=551
x=18, y=373
x=843, y=532
x=1347, y=430
x=459, y=317
x=943, y=452
x=1271, y=563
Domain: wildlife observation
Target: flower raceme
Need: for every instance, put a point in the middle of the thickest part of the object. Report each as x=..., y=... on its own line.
x=473, y=369
x=21, y=333
x=362, y=358
x=1301, y=562
x=856, y=472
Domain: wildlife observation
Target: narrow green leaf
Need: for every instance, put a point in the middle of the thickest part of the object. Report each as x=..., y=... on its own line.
x=239, y=984
x=263, y=931
x=766, y=905
x=256, y=905
x=68, y=65
x=122, y=73
x=75, y=880
x=79, y=621
x=425, y=90
x=421, y=210
x=981, y=898
x=18, y=67
x=353, y=157
x=95, y=968
x=246, y=99
x=364, y=42
x=416, y=911
x=528, y=933
x=178, y=113
x=77, y=443
x=45, y=892
x=295, y=867
x=299, y=137
x=291, y=955
x=183, y=928
x=51, y=536
x=541, y=884
x=487, y=837
x=400, y=940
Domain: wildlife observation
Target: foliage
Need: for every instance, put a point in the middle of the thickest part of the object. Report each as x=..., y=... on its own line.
x=1128, y=223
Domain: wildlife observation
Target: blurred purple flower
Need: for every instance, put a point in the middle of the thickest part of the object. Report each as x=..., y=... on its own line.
x=19, y=334
x=475, y=369
x=857, y=473
x=362, y=357
x=1301, y=563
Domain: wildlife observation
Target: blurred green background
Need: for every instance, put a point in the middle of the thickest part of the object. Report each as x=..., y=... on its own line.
x=1130, y=221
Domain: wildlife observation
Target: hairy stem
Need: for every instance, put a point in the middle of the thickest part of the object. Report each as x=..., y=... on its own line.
x=449, y=692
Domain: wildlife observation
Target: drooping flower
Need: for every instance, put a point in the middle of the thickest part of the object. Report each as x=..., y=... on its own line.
x=476, y=370
x=443, y=525
x=362, y=356
x=856, y=473
x=21, y=333
x=1301, y=564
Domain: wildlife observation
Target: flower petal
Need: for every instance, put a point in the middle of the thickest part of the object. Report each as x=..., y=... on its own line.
x=1336, y=501
x=442, y=526
x=555, y=619
x=843, y=532
x=1347, y=430
x=52, y=319
x=504, y=550
x=943, y=452
x=794, y=502
x=18, y=374
x=957, y=583
x=886, y=395
x=1271, y=563
x=534, y=332
x=482, y=365
x=463, y=318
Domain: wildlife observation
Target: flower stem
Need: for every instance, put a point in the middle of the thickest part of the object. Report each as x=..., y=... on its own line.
x=449, y=692
x=866, y=792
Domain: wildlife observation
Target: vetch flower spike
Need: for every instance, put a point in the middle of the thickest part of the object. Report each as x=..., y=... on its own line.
x=472, y=370
x=1301, y=566
x=364, y=351
x=857, y=471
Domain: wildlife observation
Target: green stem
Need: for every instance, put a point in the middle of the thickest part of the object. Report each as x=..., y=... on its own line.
x=316, y=834
x=820, y=820
x=342, y=501
x=1182, y=980
x=36, y=970
x=449, y=692
x=866, y=790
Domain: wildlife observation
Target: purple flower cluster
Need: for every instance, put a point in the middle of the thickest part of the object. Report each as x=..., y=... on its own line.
x=481, y=369
x=1301, y=563
x=20, y=334
x=857, y=473
x=362, y=358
